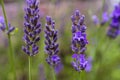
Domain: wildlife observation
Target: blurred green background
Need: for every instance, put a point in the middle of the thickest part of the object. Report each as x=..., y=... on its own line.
x=105, y=52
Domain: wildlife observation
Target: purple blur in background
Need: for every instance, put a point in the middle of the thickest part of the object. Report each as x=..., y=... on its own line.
x=114, y=27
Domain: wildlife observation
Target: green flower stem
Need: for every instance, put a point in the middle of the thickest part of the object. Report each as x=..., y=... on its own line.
x=11, y=55
x=53, y=73
x=29, y=60
x=81, y=75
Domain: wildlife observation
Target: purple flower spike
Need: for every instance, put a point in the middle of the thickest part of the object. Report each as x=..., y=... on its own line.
x=32, y=28
x=51, y=45
x=79, y=41
x=114, y=27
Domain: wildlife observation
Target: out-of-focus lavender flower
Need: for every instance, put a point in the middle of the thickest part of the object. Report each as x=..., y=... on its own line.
x=119, y=32
x=3, y=26
x=58, y=68
x=116, y=11
x=32, y=28
x=95, y=20
x=114, y=27
x=79, y=41
x=42, y=72
x=89, y=64
x=51, y=45
x=105, y=18
x=1, y=19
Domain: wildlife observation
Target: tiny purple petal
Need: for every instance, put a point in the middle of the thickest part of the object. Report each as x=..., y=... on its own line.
x=74, y=56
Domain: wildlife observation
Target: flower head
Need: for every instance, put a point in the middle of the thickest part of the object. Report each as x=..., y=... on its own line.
x=79, y=41
x=51, y=45
x=32, y=28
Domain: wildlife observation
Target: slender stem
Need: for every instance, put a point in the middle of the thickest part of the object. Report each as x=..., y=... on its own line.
x=11, y=55
x=81, y=75
x=3, y=9
x=53, y=73
x=29, y=60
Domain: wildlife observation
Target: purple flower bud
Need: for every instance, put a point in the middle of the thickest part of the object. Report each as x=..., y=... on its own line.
x=11, y=29
x=53, y=60
x=26, y=50
x=1, y=19
x=37, y=39
x=32, y=27
x=74, y=56
x=3, y=26
x=73, y=19
x=79, y=62
x=82, y=61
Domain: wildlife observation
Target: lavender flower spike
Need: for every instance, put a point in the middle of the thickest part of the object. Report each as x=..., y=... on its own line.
x=51, y=45
x=79, y=41
x=114, y=27
x=32, y=28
